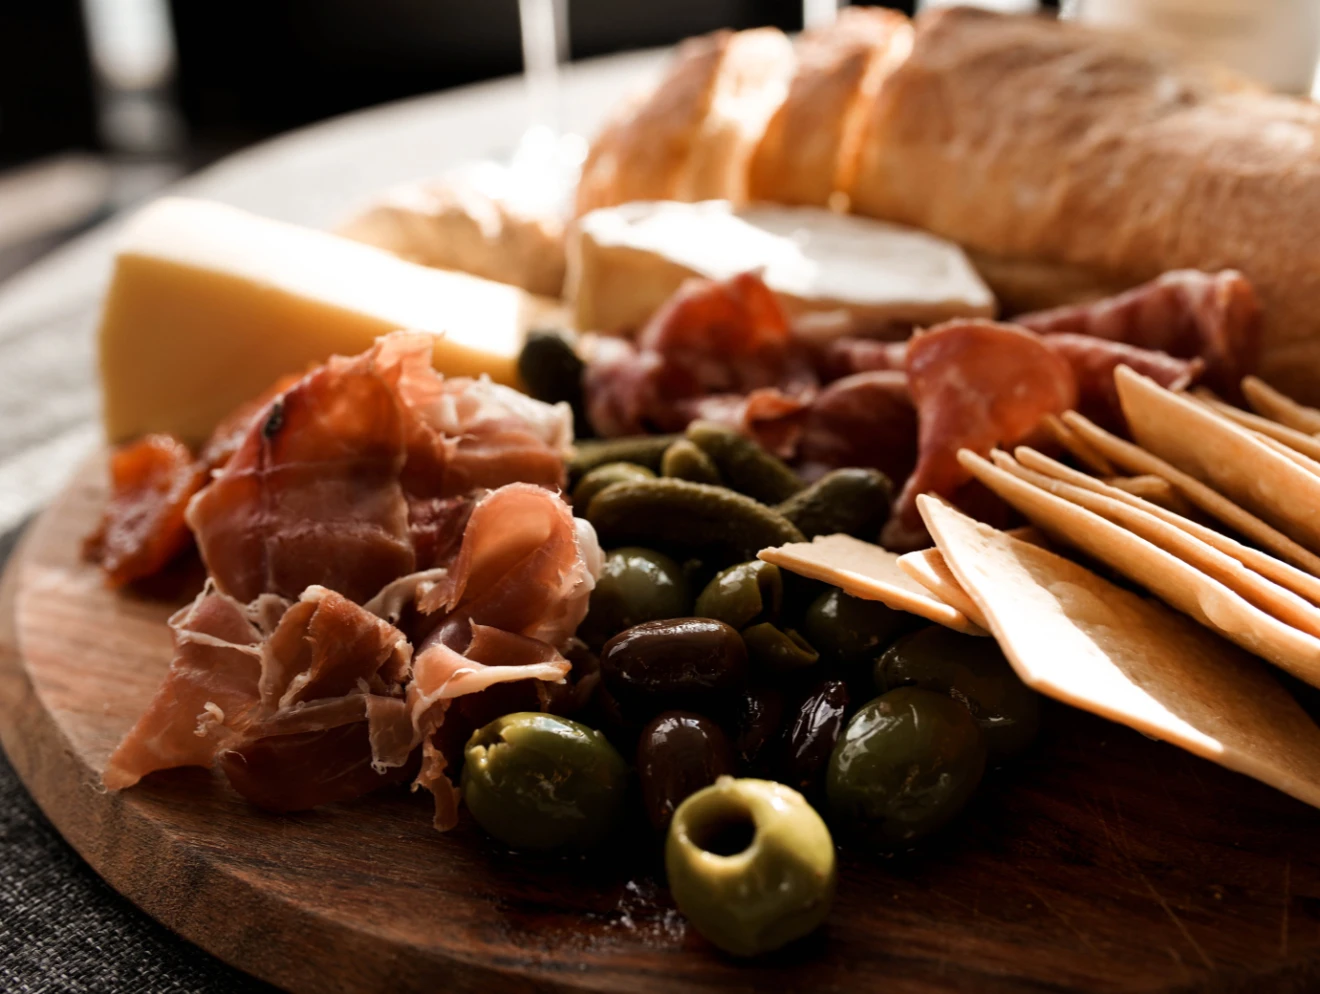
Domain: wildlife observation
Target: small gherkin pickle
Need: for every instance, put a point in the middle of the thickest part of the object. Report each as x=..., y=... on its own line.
x=687, y=462
x=751, y=865
x=778, y=650
x=743, y=465
x=606, y=475
x=538, y=781
x=852, y=501
x=668, y=513
x=743, y=594
x=551, y=370
x=644, y=450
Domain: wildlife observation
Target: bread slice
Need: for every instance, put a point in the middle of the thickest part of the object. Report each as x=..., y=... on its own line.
x=810, y=147
x=692, y=136
x=1047, y=141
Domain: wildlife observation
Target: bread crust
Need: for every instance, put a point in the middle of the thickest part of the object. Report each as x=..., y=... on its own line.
x=690, y=137
x=810, y=146
x=1050, y=142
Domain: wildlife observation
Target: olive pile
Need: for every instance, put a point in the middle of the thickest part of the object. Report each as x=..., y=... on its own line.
x=745, y=698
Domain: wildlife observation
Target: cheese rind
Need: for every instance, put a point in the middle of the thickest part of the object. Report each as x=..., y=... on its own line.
x=625, y=261
x=208, y=305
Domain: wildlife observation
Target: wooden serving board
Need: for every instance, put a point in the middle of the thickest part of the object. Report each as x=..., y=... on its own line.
x=1101, y=861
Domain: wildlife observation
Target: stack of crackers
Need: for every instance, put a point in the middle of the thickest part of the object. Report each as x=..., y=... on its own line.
x=1209, y=521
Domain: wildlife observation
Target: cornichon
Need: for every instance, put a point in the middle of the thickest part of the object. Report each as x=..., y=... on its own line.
x=677, y=514
x=853, y=501
x=604, y=476
x=551, y=370
x=644, y=450
x=687, y=462
x=743, y=465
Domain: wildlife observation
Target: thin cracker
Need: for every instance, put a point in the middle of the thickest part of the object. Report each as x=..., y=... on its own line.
x=1174, y=581
x=1137, y=460
x=1223, y=455
x=1077, y=446
x=1155, y=489
x=867, y=571
x=928, y=568
x=1299, y=441
x=1298, y=581
x=1269, y=403
x=1079, y=639
x=1270, y=597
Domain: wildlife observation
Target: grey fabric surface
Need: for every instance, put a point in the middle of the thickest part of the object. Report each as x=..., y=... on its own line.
x=63, y=930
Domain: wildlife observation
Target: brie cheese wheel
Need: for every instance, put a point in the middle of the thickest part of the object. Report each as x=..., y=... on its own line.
x=874, y=277
x=208, y=305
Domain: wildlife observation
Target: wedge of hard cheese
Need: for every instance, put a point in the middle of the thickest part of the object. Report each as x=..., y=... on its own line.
x=625, y=261
x=209, y=305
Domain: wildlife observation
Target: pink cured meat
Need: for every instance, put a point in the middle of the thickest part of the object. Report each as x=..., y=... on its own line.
x=975, y=385
x=711, y=338
x=866, y=419
x=362, y=472
x=1093, y=361
x=1186, y=313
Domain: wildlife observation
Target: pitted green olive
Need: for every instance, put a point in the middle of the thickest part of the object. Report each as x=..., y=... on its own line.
x=972, y=670
x=604, y=476
x=743, y=594
x=538, y=781
x=635, y=585
x=905, y=765
x=750, y=864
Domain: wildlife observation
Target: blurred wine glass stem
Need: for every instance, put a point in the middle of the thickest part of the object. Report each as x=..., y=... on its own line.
x=819, y=13
x=544, y=25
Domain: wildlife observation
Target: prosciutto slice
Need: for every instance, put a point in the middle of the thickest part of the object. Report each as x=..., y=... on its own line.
x=711, y=339
x=143, y=527
x=1188, y=314
x=365, y=470
x=975, y=385
x=1093, y=361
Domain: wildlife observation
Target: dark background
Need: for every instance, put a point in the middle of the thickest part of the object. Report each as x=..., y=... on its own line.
x=251, y=68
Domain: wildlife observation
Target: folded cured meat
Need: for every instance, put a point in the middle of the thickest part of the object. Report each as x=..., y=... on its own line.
x=1187, y=314
x=356, y=469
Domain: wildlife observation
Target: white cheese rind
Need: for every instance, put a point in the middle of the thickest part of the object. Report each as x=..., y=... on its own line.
x=624, y=261
x=209, y=305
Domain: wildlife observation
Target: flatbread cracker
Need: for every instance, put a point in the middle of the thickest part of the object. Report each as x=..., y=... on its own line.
x=1138, y=460
x=1155, y=489
x=1077, y=446
x=1174, y=581
x=1299, y=441
x=930, y=570
x=1298, y=581
x=1269, y=403
x=1270, y=597
x=1079, y=639
x=870, y=572
x=1222, y=454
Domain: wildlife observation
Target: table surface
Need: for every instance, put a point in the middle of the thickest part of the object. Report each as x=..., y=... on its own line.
x=61, y=928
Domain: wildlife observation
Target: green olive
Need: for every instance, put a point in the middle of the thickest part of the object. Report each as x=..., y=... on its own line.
x=848, y=629
x=538, y=781
x=972, y=670
x=744, y=465
x=644, y=450
x=604, y=476
x=853, y=501
x=635, y=585
x=743, y=594
x=905, y=765
x=777, y=650
x=750, y=864
x=677, y=514
x=687, y=462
